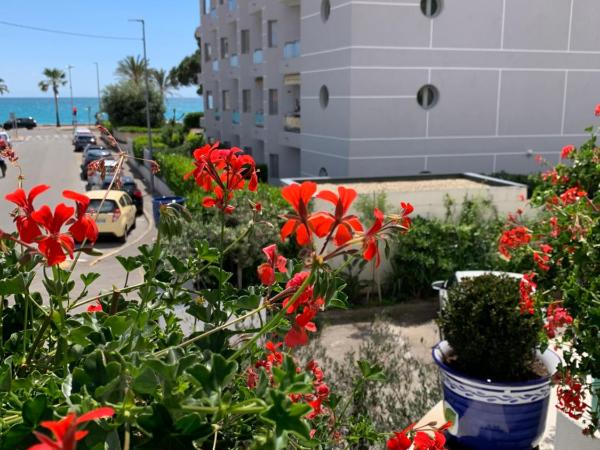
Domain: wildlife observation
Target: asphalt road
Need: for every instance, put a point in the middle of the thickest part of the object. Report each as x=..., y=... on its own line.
x=46, y=156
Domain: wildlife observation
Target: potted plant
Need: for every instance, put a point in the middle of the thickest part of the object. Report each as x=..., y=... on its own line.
x=496, y=381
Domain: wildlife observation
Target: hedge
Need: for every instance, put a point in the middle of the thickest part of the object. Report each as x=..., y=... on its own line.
x=141, y=142
x=173, y=167
x=192, y=120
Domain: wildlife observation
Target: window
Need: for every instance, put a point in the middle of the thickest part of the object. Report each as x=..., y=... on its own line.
x=226, y=101
x=325, y=10
x=206, y=6
x=246, y=100
x=209, y=100
x=245, y=42
x=207, y=52
x=272, y=30
x=273, y=102
x=323, y=172
x=248, y=150
x=431, y=8
x=324, y=96
x=224, y=48
x=273, y=165
x=428, y=96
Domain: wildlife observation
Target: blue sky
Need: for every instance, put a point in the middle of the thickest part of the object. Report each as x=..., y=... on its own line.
x=25, y=53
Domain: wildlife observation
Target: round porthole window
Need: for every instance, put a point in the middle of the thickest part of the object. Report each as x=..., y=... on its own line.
x=324, y=96
x=325, y=10
x=428, y=96
x=323, y=172
x=431, y=8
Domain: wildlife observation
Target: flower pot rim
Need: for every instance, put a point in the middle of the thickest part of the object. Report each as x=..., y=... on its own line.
x=489, y=382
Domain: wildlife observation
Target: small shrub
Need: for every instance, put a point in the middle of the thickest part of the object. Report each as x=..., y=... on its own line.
x=173, y=167
x=192, y=120
x=136, y=129
x=141, y=142
x=125, y=104
x=172, y=134
x=490, y=336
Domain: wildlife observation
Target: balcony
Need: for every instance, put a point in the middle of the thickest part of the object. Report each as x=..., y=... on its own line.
x=259, y=119
x=215, y=65
x=291, y=50
x=232, y=5
x=213, y=13
x=234, y=60
x=257, y=56
x=292, y=123
x=235, y=117
x=217, y=114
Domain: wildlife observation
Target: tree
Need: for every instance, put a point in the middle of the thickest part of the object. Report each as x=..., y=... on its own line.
x=125, y=104
x=187, y=71
x=55, y=78
x=3, y=87
x=163, y=81
x=131, y=69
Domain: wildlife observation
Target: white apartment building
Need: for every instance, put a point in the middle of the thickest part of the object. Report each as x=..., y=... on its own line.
x=363, y=88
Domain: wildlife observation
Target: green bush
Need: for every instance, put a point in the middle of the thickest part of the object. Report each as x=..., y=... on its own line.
x=125, y=104
x=141, y=142
x=172, y=134
x=136, y=129
x=489, y=336
x=192, y=120
x=173, y=167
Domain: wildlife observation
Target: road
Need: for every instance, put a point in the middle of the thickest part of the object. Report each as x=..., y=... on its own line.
x=46, y=156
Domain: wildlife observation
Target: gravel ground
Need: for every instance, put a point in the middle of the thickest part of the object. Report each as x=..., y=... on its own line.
x=407, y=186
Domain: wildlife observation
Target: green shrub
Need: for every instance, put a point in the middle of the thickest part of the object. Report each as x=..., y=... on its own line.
x=125, y=104
x=136, y=129
x=490, y=337
x=173, y=167
x=192, y=120
x=172, y=134
x=141, y=142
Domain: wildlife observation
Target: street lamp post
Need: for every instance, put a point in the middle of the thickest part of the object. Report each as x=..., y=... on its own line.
x=71, y=92
x=147, y=92
x=98, y=85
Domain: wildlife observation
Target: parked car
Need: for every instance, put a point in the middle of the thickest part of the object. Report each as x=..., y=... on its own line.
x=82, y=140
x=116, y=215
x=128, y=185
x=95, y=181
x=22, y=122
x=91, y=147
x=93, y=155
x=5, y=138
x=81, y=131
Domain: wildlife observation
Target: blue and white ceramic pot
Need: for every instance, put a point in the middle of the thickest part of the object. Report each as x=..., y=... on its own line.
x=494, y=416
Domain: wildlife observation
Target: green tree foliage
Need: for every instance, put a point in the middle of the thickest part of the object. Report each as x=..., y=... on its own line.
x=125, y=104
x=187, y=71
x=3, y=87
x=131, y=69
x=54, y=78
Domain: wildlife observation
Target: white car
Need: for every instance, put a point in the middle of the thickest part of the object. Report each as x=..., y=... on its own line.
x=81, y=131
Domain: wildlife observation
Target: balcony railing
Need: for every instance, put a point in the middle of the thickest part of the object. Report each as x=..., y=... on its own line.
x=232, y=5
x=257, y=57
x=213, y=13
x=215, y=65
x=291, y=50
x=292, y=123
x=259, y=119
x=217, y=114
x=234, y=60
x=235, y=117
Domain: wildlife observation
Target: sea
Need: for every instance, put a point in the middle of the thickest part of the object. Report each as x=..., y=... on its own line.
x=42, y=108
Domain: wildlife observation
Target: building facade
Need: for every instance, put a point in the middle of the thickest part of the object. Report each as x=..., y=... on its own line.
x=352, y=88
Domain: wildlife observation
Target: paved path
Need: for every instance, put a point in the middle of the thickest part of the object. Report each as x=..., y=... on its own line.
x=46, y=156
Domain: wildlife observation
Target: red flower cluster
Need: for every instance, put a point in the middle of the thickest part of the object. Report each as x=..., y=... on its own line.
x=571, y=397
x=542, y=258
x=44, y=227
x=221, y=172
x=513, y=238
x=266, y=271
x=566, y=151
x=572, y=195
x=96, y=307
x=419, y=438
x=298, y=195
x=526, y=288
x=556, y=317
x=65, y=431
x=597, y=110
x=302, y=323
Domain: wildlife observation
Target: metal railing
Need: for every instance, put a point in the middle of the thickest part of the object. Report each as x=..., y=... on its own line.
x=217, y=114
x=291, y=50
x=234, y=60
x=292, y=123
x=235, y=117
x=257, y=56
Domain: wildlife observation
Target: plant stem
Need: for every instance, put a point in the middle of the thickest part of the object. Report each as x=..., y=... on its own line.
x=273, y=321
x=221, y=260
x=95, y=298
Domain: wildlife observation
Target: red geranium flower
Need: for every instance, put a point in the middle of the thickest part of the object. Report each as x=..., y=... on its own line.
x=566, y=151
x=96, y=307
x=325, y=223
x=572, y=195
x=266, y=271
x=65, y=431
x=423, y=441
x=557, y=317
x=597, y=110
x=527, y=287
x=513, y=238
x=370, y=247
x=298, y=195
x=53, y=245
x=400, y=441
x=571, y=397
x=84, y=228
x=28, y=228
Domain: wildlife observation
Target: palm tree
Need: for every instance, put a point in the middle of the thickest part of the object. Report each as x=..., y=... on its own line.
x=55, y=78
x=132, y=69
x=3, y=87
x=163, y=81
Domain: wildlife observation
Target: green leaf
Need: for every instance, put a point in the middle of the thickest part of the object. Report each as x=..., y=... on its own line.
x=146, y=382
x=5, y=378
x=287, y=416
x=33, y=410
x=89, y=278
x=129, y=263
x=371, y=372
x=217, y=375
